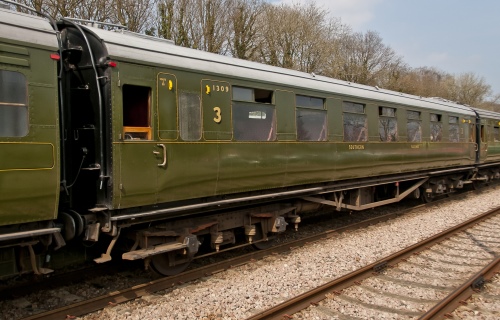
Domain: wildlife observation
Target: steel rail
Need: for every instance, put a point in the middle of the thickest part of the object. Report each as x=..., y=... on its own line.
x=300, y=302
x=464, y=292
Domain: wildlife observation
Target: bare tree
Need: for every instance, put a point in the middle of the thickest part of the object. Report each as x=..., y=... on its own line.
x=175, y=17
x=135, y=14
x=297, y=37
x=244, y=33
x=425, y=82
x=96, y=10
x=365, y=59
x=211, y=27
x=467, y=88
x=198, y=24
x=38, y=5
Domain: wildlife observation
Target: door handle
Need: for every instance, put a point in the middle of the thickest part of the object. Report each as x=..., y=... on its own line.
x=164, y=163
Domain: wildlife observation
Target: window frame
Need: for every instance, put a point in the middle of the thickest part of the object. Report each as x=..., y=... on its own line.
x=453, y=128
x=263, y=102
x=496, y=133
x=312, y=108
x=390, y=118
x=254, y=98
x=436, y=124
x=354, y=113
x=144, y=133
x=19, y=109
x=417, y=120
x=182, y=129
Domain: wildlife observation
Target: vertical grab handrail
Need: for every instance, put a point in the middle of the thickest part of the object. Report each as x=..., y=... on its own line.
x=102, y=166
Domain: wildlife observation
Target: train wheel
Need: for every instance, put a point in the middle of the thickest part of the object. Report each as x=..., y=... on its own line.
x=427, y=197
x=476, y=185
x=160, y=263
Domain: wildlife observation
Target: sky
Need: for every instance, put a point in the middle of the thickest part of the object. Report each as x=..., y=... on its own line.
x=455, y=36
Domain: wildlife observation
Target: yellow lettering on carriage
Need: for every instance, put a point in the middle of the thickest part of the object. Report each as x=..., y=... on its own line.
x=356, y=147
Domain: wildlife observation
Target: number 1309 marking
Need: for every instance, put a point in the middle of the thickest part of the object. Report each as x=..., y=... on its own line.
x=220, y=88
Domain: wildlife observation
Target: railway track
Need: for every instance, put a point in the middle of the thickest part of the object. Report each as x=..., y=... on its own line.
x=427, y=280
x=137, y=291
x=484, y=304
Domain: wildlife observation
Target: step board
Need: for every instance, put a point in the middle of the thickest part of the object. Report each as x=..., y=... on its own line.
x=144, y=253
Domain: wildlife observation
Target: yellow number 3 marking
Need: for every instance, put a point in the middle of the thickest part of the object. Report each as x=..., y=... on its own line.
x=218, y=117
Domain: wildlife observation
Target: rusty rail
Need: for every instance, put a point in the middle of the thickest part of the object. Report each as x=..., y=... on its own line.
x=464, y=292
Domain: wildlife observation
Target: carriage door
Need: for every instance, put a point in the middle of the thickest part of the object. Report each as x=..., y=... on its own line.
x=139, y=153
x=472, y=139
x=483, y=146
x=216, y=102
x=29, y=169
x=166, y=86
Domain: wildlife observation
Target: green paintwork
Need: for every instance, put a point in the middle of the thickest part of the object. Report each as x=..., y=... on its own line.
x=29, y=166
x=217, y=165
x=167, y=116
x=219, y=97
x=490, y=149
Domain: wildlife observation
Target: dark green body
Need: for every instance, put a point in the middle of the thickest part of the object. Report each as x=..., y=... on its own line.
x=218, y=165
x=489, y=143
x=29, y=165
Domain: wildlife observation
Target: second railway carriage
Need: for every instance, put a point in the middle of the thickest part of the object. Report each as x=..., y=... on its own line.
x=488, y=133
x=133, y=139
x=182, y=124
x=164, y=131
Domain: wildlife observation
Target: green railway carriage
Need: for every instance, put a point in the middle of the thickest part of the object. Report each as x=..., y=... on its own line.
x=488, y=140
x=168, y=146
x=29, y=125
x=188, y=124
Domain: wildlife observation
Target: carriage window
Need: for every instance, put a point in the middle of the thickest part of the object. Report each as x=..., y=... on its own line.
x=136, y=112
x=355, y=122
x=190, y=116
x=254, y=122
x=496, y=134
x=310, y=102
x=254, y=117
x=14, y=121
x=472, y=132
x=413, y=126
x=436, y=127
x=453, y=129
x=252, y=95
x=242, y=94
x=387, y=124
x=310, y=118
